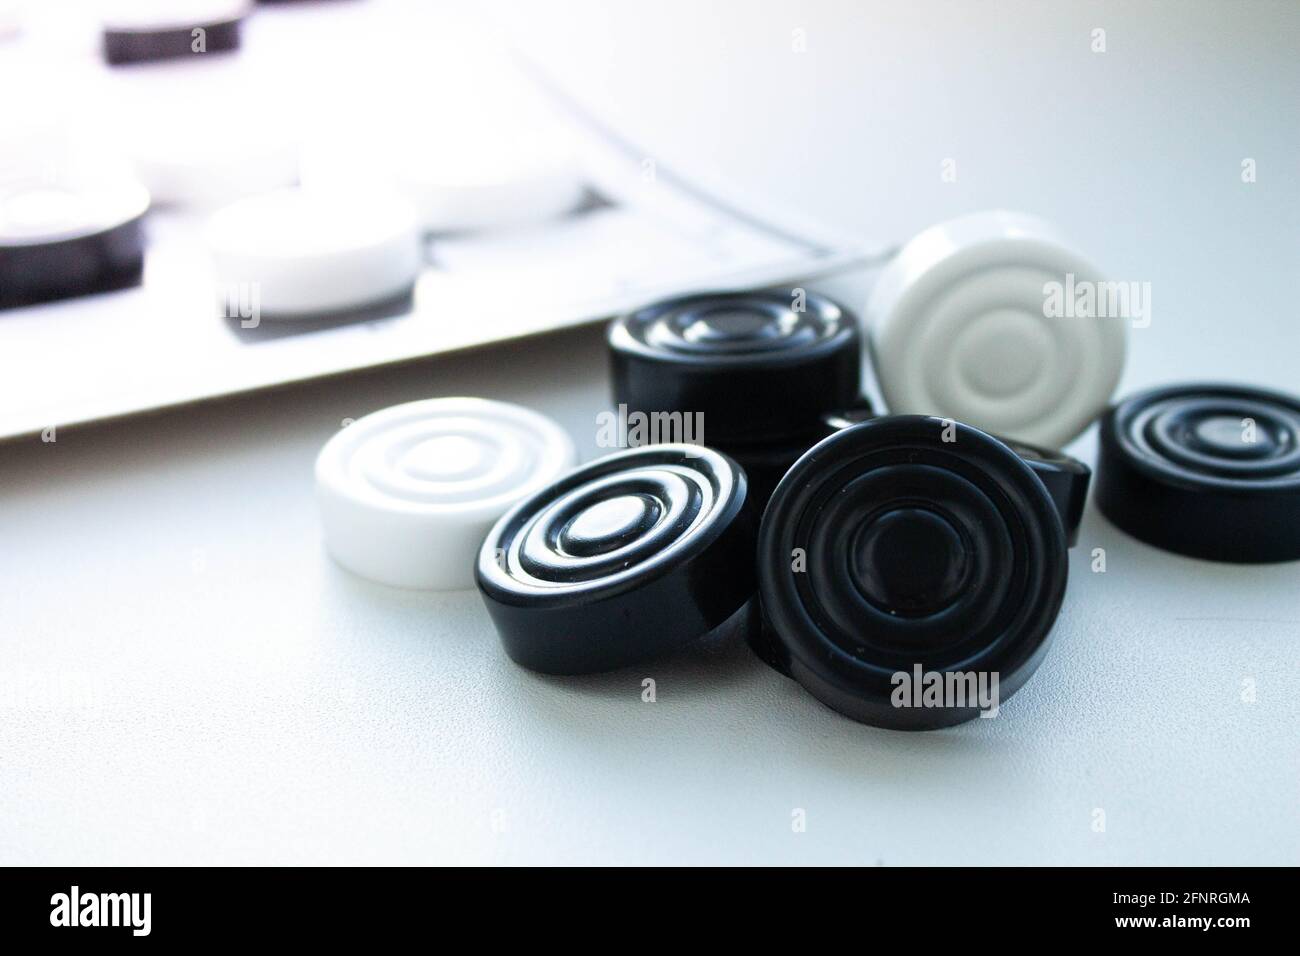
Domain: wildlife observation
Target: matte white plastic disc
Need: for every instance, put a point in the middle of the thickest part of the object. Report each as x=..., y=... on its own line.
x=202, y=165
x=408, y=493
x=491, y=189
x=962, y=326
x=460, y=177
x=311, y=252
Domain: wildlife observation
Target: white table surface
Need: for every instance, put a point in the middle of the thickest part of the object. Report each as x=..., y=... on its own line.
x=187, y=678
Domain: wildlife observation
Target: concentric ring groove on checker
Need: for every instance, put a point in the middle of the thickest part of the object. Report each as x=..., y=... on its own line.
x=623, y=559
x=1208, y=470
x=918, y=550
x=687, y=499
x=407, y=493
x=756, y=366
x=958, y=327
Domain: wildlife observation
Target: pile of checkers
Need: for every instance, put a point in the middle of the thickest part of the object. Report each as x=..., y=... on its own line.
x=304, y=224
x=849, y=544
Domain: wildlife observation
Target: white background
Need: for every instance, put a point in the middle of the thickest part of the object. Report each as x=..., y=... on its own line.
x=187, y=678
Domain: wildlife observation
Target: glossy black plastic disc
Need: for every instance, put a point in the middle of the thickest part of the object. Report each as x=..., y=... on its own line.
x=907, y=542
x=766, y=463
x=1065, y=478
x=1211, y=471
x=62, y=239
x=141, y=44
x=624, y=559
x=758, y=366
